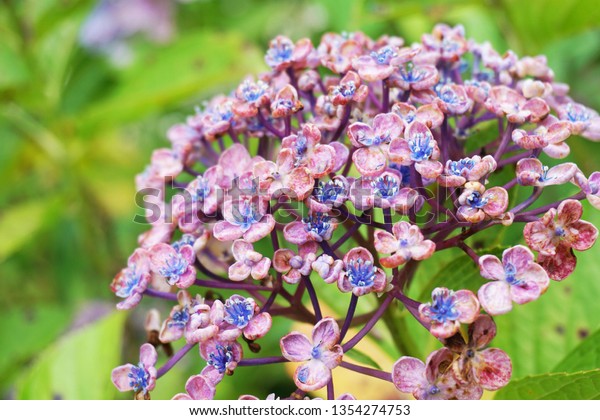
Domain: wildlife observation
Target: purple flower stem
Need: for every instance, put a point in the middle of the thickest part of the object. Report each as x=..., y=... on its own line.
x=173, y=360
x=385, y=93
x=510, y=184
x=469, y=251
x=161, y=295
x=506, y=137
x=346, y=236
x=313, y=297
x=373, y=98
x=375, y=373
x=369, y=325
x=327, y=249
x=529, y=201
x=543, y=209
x=349, y=316
x=229, y=285
x=268, y=125
x=233, y=135
x=269, y=301
x=513, y=159
x=330, y=392
x=411, y=305
x=288, y=125
x=349, y=162
x=210, y=274
x=259, y=361
x=343, y=123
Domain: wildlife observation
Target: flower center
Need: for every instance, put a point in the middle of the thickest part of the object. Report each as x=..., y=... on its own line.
x=385, y=186
x=510, y=272
x=434, y=390
x=317, y=223
x=201, y=191
x=384, y=55
x=461, y=167
x=174, y=267
x=220, y=359
x=411, y=75
x=328, y=192
x=132, y=279
x=180, y=318
x=138, y=378
x=281, y=52
x=238, y=312
x=245, y=215
x=559, y=231
x=443, y=306
x=475, y=200
x=316, y=352
x=361, y=273
x=420, y=147
x=447, y=94
x=346, y=90
x=252, y=92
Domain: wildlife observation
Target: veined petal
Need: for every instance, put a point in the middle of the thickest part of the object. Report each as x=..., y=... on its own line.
x=312, y=375
x=296, y=347
x=326, y=333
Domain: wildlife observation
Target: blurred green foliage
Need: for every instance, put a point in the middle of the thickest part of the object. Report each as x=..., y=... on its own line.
x=75, y=129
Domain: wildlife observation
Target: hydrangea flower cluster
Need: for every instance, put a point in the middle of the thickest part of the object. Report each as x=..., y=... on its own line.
x=339, y=172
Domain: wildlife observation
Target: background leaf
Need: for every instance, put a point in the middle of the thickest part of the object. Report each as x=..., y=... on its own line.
x=554, y=386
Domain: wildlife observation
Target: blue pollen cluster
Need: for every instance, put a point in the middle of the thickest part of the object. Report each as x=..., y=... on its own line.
x=139, y=378
x=221, y=359
x=442, y=307
x=461, y=167
x=238, y=312
x=174, y=268
x=361, y=273
x=420, y=147
x=317, y=223
x=385, y=186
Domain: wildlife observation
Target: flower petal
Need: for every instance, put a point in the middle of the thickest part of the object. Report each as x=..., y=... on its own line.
x=369, y=161
x=199, y=387
x=408, y=374
x=120, y=377
x=312, y=375
x=491, y=268
x=495, y=297
x=296, y=347
x=492, y=369
x=326, y=333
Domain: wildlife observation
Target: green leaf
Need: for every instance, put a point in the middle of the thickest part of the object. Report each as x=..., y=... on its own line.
x=197, y=62
x=554, y=386
x=78, y=366
x=586, y=356
x=37, y=327
x=20, y=223
x=14, y=68
x=361, y=357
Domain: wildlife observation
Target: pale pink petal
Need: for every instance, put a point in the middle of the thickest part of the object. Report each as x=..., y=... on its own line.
x=260, y=229
x=326, y=333
x=369, y=161
x=422, y=250
x=261, y=269
x=258, y=326
x=296, y=347
x=281, y=260
x=467, y=305
x=491, y=267
x=240, y=249
x=356, y=253
x=225, y=231
x=120, y=378
x=430, y=169
x=295, y=233
x=239, y=271
x=312, y=375
x=333, y=357
x=495, y=297
x=497, y=201
x=519, y=256
x=199, y=387
x=148, y=355
x=569, y=211
x=408, y=374
x=358, y=131
x=385, y=242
